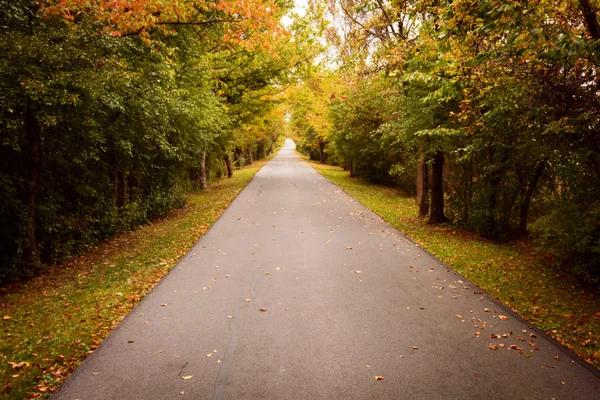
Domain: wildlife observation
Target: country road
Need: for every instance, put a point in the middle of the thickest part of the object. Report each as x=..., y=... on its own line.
x=299, y=292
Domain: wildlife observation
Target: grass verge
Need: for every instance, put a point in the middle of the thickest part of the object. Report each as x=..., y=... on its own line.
x=513, y=273
x=52, y=322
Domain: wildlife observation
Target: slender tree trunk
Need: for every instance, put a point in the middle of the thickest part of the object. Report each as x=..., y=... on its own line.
x=116, y=185
x=250, y=158
x=34, y=137
x=351, y=167
x=228, y=166
x=423, y=186
x=203, y=171
x=436, y=214
x=524, y=212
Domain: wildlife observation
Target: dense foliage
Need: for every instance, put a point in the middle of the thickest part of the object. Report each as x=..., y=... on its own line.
x=488, y=110
x=111, y=112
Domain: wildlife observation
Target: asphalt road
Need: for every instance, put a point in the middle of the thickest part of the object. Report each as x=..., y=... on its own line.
x=299, y=292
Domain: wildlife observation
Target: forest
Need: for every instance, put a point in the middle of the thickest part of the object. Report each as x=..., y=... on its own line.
x=113, y=111
x=487, y=111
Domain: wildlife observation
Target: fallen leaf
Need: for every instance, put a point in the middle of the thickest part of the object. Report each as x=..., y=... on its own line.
x=227, y=276
x=266, y=273
x=492, y=347
x=401, y=356
x=263, y=309
x=187, y=377
x=230, y=316
x=494, y=336
x=486, y=310
x=130, y=341
x=415, y=348
x=19, y=365
x=349, y=248
x=247, y=300
x=356, y=271
x=163, y=305
x=458, y=316
x=160, y=351
x=6, y=317
x=378, y=378
x=557, y=358
x=503, y=317
x=209, y=355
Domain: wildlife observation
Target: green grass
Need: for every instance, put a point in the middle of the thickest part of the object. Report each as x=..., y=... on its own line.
x=50, y=323
x=514, y=273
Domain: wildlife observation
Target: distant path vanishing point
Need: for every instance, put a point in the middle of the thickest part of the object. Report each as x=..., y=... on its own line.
x=299, y=292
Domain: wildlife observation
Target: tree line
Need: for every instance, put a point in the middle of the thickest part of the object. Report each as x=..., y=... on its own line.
x=488, y=111
x=112, y=112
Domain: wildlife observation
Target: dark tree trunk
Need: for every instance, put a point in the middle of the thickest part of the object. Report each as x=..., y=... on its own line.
x=436, y=214
x=203, y=171
x=228, y=166
x=423, y=186
x=33, y=133
x=250, y=157
x=591, y=21
x=351, y=167
x=322, y=154
x=524, y=212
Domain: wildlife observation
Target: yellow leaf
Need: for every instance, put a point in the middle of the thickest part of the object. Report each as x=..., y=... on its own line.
x=187, y=377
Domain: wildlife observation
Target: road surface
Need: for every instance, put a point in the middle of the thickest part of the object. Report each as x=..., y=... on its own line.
x=299, y=292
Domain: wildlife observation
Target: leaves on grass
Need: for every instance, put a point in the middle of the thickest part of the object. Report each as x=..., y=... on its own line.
x=19, y=365
x=6, y=317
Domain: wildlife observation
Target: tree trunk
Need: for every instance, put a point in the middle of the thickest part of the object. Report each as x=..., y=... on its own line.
x=351, y=167
x=436, y=214
x=524, y=212
x=228, y=166
x=203, y=171
x=322, y=155
x=423, y=186
x=250, y=157
x=33, y=133
x=591, y=21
